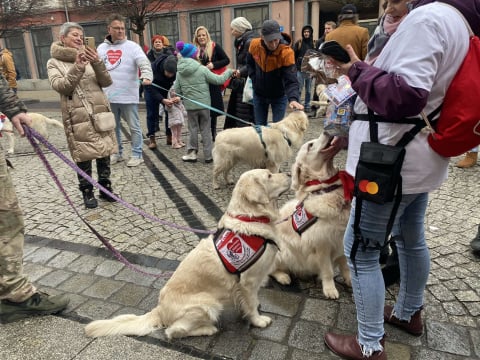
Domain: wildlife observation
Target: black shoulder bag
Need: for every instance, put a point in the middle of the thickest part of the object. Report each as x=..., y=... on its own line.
x=378, y=175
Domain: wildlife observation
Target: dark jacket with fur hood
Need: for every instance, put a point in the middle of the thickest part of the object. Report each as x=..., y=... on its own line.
x=84, y=142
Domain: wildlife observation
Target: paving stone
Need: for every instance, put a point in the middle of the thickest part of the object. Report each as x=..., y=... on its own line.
x=35, y=271
x=130, y=295
x=54, y=278
x=103, y=288
x=448, y=338
x=85, y=264
x=277, y=331
x=268, y=350
x=137, y=278
x=96, y=309
x=63, y=259
x=77, y=283
x=308, y=336
x=109, y=268
x=286, y=305
x=41, y=255
x=231, y=345
x=322, y=311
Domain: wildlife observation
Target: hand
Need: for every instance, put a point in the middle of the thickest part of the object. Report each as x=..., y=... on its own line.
x=81, y=60
x=337, y=144
x=296, y=105
x=91, y=54
x=167, y=102
x=20, y=119
x=146, y=82
x=345, y=67
x=236, y=74
x=210, y=66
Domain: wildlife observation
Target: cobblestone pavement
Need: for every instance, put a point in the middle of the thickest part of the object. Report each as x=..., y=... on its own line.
x=62, y=255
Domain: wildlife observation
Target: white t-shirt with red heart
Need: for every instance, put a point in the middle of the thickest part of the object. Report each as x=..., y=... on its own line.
x=124, y=59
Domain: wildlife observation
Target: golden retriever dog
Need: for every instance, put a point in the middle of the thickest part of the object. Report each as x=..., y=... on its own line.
x=258, y=146
x=39, y=124
x=326, y=199
x=322, y=102
x=192, y=300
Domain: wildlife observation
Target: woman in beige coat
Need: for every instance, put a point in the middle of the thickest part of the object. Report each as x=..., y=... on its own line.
x=74, y=65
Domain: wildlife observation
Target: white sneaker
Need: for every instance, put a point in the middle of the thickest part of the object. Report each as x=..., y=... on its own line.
x=134, y=161
x=115, y=158
x=190, y=157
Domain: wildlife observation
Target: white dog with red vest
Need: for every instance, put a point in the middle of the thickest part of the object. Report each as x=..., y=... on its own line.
x=192, y=300
x=311, y=241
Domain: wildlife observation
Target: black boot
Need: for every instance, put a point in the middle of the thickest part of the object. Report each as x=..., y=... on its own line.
x=89, y=198
x=104, y=195
x=475, y=244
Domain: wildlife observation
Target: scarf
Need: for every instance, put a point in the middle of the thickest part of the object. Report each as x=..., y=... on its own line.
x=382, y=34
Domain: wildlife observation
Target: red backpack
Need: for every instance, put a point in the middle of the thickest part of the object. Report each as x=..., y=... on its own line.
x=458, y=128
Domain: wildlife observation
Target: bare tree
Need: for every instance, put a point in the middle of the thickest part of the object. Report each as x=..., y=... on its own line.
x=17, y=12
x=137, y=12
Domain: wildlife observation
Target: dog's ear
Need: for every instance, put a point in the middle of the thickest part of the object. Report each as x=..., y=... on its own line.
x=296, y=175
x=255, y=192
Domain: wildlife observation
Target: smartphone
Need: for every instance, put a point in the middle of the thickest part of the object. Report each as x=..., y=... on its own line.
x=89, y=41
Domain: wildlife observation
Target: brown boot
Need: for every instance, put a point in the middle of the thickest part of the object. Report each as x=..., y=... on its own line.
x=153, y=144
x=169, y=139
x=468, y=161
x=347, y=347
x=414, y=326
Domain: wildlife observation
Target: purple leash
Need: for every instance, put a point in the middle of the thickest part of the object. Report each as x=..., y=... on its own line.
x=31, y=134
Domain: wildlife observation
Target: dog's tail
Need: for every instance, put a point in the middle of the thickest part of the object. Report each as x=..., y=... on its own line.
x=124, y=325
x=53, y=122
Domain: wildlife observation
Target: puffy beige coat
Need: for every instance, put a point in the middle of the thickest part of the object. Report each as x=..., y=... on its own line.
x=84, y=142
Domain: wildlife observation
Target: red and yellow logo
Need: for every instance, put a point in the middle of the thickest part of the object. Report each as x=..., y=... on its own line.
x=370, y=187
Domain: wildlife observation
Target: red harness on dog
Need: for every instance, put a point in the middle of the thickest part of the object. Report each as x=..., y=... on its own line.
x=302, y=219
x=240, y=251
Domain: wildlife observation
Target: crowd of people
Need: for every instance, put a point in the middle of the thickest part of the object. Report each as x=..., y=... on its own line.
x=187, y=81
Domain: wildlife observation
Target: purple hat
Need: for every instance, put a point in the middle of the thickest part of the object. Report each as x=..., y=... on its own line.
x=187, y=50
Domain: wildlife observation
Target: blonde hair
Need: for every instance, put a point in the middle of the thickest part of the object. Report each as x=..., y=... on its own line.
x=208, y=46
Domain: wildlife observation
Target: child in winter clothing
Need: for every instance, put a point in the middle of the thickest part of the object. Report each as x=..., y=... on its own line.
x=192, y=82
x=176, y=116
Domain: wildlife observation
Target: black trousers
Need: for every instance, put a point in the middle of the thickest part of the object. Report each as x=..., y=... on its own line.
x=103, y=172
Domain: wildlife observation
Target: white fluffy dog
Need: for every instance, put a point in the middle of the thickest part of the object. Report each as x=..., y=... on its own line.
x=192, y=300
x=321, y=189
x=259, y=147
x=39, y=124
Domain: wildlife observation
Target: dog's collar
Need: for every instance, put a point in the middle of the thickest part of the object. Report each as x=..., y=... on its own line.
x=347, y=182
x=328, y=181
x=327, y=189
x=260, y=219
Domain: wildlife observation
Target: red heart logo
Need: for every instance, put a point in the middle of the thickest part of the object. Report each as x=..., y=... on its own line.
x=235, y=245
x=114, y=56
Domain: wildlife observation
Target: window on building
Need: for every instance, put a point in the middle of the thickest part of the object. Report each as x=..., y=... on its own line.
x=98, y=31
x=14, y=42
x=255, y=14
x=166, y=25
x=83, y=3
x=42, y=39
x=211, y=20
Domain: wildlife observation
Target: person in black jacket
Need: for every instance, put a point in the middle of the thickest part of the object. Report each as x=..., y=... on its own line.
x=164, y=69
x=243, y=33
x=304, y=78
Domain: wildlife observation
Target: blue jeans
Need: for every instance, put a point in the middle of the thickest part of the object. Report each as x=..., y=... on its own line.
x=305, y=79
x=414, y=258
x=260, y=108
x=153, y=120
x=130, y=113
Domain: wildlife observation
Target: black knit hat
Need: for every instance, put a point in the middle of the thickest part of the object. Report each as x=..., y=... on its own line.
x=170, y=64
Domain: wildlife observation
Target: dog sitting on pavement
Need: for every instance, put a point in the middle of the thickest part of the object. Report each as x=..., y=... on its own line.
x=39, y=124
x=224, y=268
x=311, y=241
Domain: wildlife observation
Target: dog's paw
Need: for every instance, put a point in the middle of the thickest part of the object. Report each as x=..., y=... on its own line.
x=261, y=321
x=282, y=278
x=330, y=292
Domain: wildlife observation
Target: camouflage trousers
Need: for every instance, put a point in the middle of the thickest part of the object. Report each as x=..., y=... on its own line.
x=13, y=284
